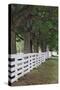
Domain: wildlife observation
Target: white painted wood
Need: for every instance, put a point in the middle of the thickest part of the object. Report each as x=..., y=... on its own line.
x=13, y=80
x=11, y=63
x=12, y=74
x=34, y=60
x=11, y=69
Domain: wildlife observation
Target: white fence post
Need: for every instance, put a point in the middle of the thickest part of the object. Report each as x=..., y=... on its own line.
x=16, y=77
x=29, y=63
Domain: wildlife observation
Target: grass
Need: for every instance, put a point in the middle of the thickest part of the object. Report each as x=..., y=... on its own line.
x=46, y=73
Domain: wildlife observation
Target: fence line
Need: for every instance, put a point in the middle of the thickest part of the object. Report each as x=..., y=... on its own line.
x=21, y=64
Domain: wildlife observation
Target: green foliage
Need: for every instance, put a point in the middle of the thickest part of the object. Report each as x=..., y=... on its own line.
x=20, y=46
x=41, y=20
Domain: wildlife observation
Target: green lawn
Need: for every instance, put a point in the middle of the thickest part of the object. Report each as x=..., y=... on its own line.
x=46, y=73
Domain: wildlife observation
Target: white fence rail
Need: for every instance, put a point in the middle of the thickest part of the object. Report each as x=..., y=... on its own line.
x=20, y=64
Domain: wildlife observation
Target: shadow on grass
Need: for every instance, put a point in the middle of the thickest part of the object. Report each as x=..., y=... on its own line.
x=46, y=73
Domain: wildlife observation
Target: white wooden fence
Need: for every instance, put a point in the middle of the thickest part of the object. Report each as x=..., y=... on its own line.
x=21, y=64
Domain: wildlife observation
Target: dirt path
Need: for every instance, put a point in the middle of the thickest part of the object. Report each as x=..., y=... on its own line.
x=46, y=73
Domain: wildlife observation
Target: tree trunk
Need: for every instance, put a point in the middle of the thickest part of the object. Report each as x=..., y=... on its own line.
x=12, y=42
x=35, y=46
x=43, y=46
x=31, y=45
x=27, y=47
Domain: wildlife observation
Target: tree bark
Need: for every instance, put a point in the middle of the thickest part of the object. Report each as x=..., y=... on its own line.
x=31, y=45
x=35, y=46
x=43, y=46
x=13, y=42
x=27, y=45
x=11, y=34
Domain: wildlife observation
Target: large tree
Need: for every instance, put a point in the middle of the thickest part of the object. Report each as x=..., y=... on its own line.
x=34, y=25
